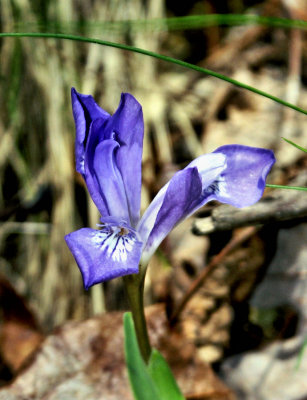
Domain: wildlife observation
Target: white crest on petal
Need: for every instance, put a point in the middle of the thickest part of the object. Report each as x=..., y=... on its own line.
x=115, y=241
x=219, y=186
x=81, y=165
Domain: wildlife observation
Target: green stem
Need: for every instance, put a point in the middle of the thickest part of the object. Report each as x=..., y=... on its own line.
x=134, y=285
x=286, y=187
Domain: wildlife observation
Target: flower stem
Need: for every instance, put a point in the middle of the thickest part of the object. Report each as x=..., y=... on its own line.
x=134, y=285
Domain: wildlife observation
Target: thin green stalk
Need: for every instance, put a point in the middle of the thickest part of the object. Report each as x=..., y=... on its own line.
x=286, y=187
x=163, y=24
x=295, y=145
x=134, y=285
x=155, y=55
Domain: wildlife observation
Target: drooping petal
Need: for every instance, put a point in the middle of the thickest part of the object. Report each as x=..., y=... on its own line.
x=126, y=126
x=104, y=254
x=181, y=195
x=243, y=180
x=209, y=167
x=85, y=110
x=233, y=174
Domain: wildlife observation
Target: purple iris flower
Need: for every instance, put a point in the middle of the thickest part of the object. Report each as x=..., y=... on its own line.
x=109, y=156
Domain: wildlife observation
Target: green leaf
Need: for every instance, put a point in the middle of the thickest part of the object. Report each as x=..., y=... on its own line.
x=295, y=145
x=163, y=377
x=143, y=386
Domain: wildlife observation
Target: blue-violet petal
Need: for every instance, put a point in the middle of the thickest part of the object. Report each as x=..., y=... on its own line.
x=126, y=126
x=110, y=183
x=180, y=198
x=242, y=182
x=208, y=166
x=105, y=254
x=85, y=110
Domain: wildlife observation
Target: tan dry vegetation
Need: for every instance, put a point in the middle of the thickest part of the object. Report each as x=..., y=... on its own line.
x=37, y=77
x=37, y=142
x=185, y=113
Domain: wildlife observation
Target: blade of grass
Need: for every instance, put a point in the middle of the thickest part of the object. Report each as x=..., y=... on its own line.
x=169, y=24
x=155, y=55
x=286, y=187
x=301, y=354
x=201, y=21
x=295, y=145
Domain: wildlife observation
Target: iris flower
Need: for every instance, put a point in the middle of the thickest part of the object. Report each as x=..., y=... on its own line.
x=108, y=151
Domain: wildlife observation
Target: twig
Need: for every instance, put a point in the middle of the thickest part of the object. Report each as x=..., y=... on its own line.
x=231, y=245
x=281, y=205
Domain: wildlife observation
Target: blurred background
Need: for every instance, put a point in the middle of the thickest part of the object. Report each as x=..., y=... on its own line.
x=186, y=114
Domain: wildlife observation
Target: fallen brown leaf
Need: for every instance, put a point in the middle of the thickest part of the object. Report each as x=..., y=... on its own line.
x=85, y=360
x=20, y=335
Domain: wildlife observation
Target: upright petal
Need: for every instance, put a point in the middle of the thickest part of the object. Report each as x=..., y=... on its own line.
x=109, y=179
x=90, y=176
x=126, y=126
x=85, y=110
x=105, y=254
x=104, y=180
x=243, y=180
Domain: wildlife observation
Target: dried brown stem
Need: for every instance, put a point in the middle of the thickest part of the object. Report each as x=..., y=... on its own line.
x=199, y=281
x=281, y=205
